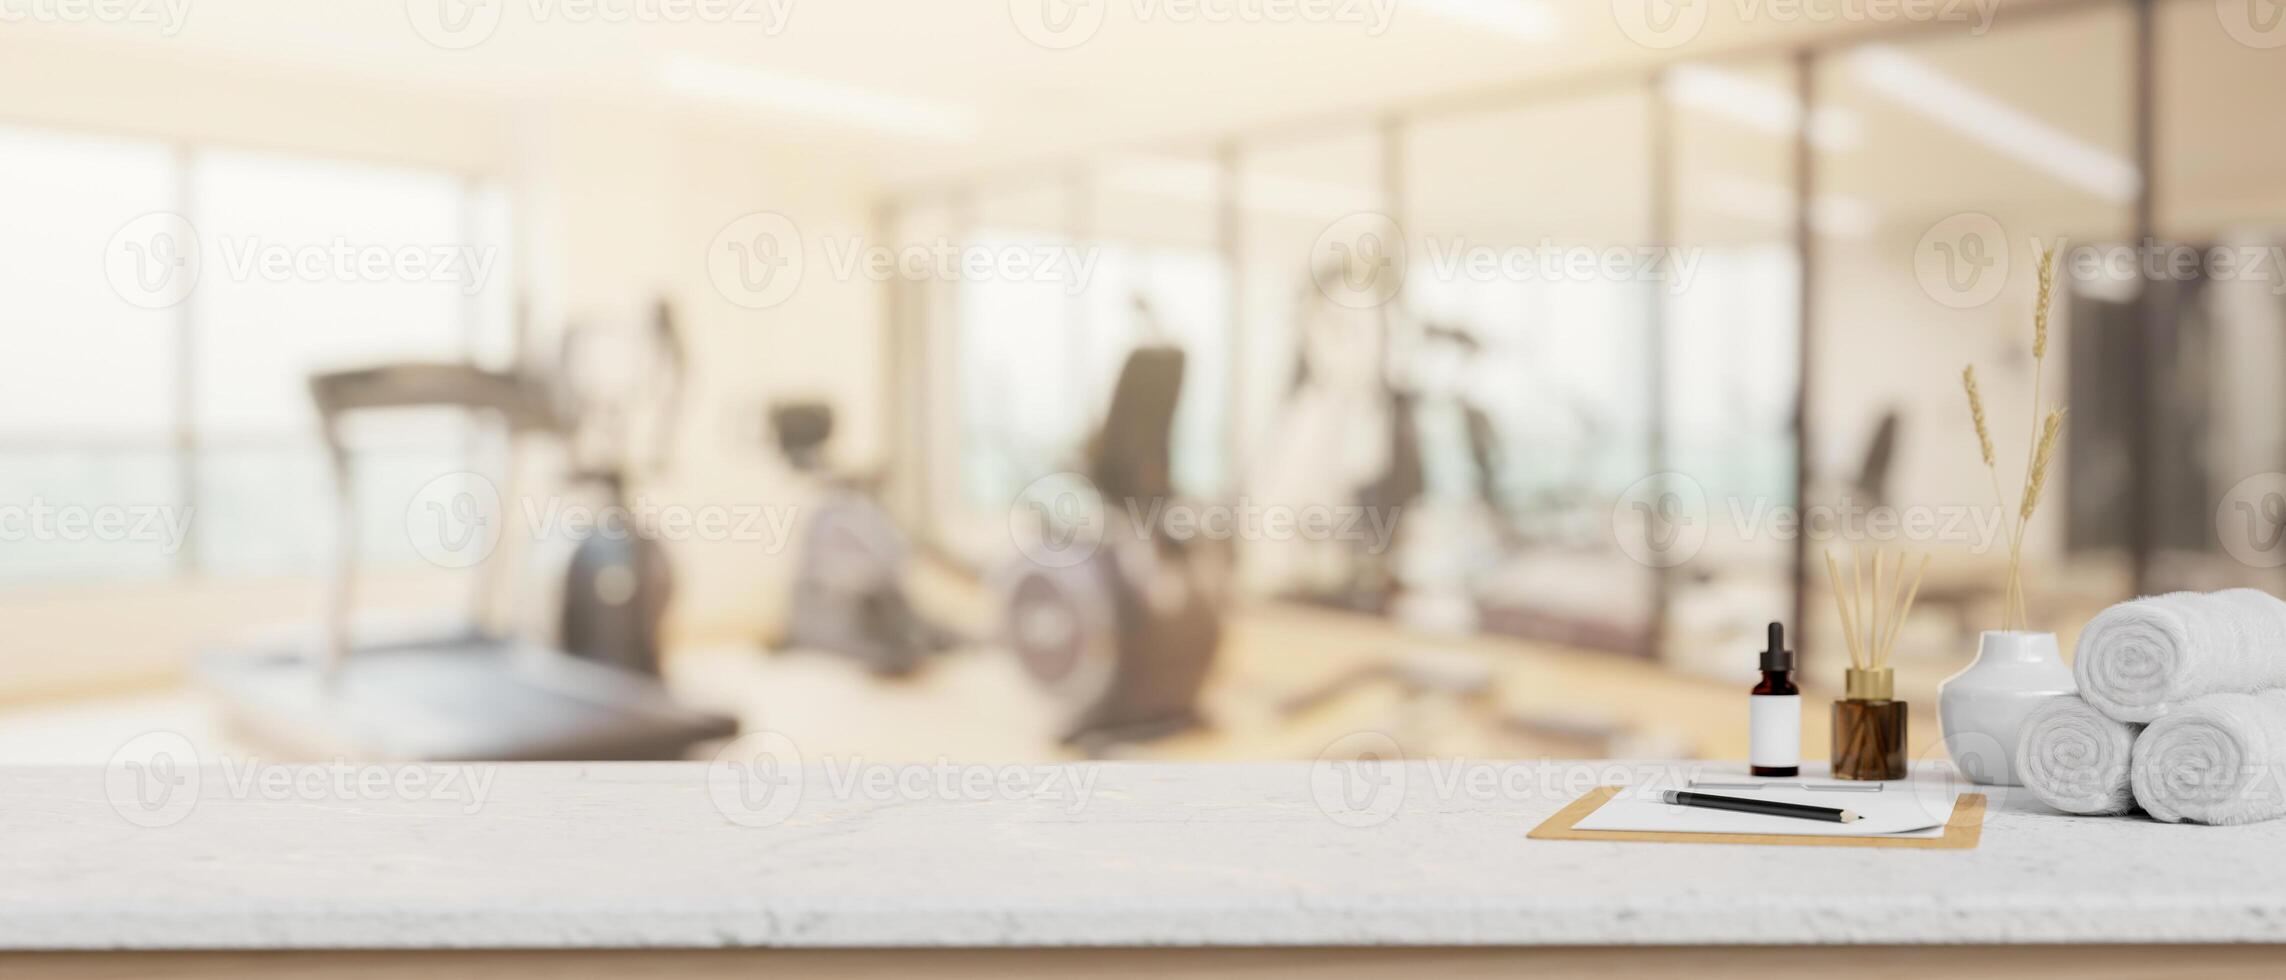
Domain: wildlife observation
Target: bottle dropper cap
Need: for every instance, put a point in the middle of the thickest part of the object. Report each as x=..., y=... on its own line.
x=1777, y=657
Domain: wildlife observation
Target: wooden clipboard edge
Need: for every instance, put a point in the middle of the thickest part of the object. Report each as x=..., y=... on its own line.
x=1962, y=832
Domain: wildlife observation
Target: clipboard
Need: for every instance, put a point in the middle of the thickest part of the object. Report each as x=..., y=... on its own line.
x=1961, y=832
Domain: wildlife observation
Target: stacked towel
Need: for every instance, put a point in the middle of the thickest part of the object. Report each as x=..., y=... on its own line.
x=2075, y=758
x=2138, y=660
x=2215, y=760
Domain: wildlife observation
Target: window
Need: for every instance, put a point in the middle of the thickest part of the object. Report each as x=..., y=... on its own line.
x=1969, y=160
x=1017, y=352
x=1041, y=343
x=2216, y=512
x=1732, y=341
x=1520, y=318
x=88, y=384
x=1288, y=195
x=115, y=400
x=259, y=329
x=1159, y=279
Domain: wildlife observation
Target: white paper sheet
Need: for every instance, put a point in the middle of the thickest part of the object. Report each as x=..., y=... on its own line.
x=1896, y=813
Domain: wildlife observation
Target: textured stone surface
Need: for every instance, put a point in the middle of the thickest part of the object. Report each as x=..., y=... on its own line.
x=642, y=856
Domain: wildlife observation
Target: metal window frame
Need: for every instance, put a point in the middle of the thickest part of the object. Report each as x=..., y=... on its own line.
x=182, y=439
x=1231, y=147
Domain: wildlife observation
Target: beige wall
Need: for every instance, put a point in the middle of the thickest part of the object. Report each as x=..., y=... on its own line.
x=622, y=205
x=1882, y=344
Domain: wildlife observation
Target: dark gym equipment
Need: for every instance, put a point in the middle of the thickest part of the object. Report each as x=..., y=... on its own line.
x=474, y=690
x=609, y=591
x=1123, y=638
x=1371, y=582
x=1871, y=486
x=849, y=585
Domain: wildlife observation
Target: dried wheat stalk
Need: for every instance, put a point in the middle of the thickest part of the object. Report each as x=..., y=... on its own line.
x=2041, y=457
x=2040, y=451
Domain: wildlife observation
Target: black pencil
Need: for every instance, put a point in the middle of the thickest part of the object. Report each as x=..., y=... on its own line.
x=1768, y=808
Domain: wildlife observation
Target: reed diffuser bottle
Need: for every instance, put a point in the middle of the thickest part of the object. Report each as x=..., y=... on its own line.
x=1869, y=727
x=1869, y=721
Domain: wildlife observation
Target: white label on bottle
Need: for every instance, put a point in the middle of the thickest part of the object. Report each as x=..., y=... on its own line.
x=1774, y=730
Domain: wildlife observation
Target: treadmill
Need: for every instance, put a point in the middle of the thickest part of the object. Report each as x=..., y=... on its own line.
x=462, y=692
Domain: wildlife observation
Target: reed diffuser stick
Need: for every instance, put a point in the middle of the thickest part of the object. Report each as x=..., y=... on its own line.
x=1841, y=604
x=1857, y=591
x=1897, y=623
x=1873, y=598
x=1873, y=610
x=1889, y=599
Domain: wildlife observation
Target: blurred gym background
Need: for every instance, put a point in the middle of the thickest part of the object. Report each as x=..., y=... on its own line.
x=1033, y=379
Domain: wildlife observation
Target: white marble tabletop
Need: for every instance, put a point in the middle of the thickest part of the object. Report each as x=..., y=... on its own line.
x=847, y=854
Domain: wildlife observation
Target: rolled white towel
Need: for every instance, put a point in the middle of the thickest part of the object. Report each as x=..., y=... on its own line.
x=2140, y=658
x=2215, y=760
x=2075, y=758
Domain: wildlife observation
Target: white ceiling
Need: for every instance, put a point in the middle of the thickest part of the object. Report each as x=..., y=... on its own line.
x=1148, y=72
x=1150, y=76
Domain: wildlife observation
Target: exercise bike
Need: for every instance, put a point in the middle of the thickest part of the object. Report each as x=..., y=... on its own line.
x=849, y=594
x=1121, y=622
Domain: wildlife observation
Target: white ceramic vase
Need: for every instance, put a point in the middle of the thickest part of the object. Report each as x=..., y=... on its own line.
x=1982, y=708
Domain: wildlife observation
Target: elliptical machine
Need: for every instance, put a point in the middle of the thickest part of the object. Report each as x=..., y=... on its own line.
x=849, y=586
x=1111, y=614
x=602, y=595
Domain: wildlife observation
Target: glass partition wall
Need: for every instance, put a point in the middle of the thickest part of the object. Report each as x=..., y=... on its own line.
x=1526, y=329
x=174, y=401
x=1656, y=345
x=1729, y=371
x=1308, y=420
x=1153, y=230
x=1013, y=346
x=2216, y=192
x=1002, y=345
x=1972, y=157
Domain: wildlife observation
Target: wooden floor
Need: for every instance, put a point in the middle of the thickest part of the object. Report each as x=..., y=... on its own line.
x=1719, y=963
x=976, y=705
x=1540, y=701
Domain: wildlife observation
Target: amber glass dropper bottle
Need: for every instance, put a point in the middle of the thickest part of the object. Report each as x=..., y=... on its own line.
x=1774, y=732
